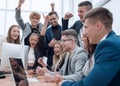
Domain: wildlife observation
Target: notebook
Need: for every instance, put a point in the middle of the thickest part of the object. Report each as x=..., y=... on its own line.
x=18, y=73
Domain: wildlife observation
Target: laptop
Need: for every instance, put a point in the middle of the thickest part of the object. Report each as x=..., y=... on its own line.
x=18, y=72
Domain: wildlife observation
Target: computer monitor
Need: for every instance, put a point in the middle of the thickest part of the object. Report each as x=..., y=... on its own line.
x=12, y=50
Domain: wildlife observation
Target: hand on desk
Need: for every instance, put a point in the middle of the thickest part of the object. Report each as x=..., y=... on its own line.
x=31, y=72
x=53, y=78
x=58, y=79
x=48, y=77
x=41, y=71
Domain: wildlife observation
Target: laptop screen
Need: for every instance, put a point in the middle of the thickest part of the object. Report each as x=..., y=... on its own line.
x=19, y=74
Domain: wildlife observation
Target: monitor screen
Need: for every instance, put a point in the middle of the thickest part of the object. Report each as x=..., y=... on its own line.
x=12, y=50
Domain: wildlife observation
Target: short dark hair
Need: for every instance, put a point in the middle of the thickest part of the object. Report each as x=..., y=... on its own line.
x=87, y=4
x=100, y=14
x=71, y=33
x=52, y=12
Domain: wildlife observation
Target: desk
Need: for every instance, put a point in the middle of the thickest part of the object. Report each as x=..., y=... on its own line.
x=9, y=82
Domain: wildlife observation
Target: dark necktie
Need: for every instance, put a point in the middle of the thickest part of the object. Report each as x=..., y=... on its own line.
x=67, y=68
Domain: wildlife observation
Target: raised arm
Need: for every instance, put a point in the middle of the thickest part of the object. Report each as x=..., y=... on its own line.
x=18, y=17
x=52, y=6
x=42, y=40
x=43, y=30
x=65, y=20
x=20, y=4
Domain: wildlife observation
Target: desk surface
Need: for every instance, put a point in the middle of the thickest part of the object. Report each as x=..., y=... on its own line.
x=9, y=82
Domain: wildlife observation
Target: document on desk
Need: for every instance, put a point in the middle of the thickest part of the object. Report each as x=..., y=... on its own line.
x=33, y=79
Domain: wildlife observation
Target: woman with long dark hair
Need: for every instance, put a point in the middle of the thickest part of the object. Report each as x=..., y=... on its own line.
x=13, y=36
x=90, y=48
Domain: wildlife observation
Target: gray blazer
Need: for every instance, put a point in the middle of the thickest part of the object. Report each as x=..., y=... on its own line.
x=26, y=29
x=77, y=60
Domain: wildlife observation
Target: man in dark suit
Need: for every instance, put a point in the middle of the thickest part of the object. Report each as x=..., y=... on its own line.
x=83, y=8
x=98, y=28
x=53, y=33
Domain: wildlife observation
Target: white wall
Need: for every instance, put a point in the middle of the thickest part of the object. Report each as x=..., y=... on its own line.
x=62, y=6
x=7, y=11
x=113, y=6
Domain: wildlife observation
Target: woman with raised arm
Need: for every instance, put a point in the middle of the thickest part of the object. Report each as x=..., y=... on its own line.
x=37, y=48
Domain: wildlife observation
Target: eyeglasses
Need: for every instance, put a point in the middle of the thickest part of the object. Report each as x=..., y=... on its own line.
x=64, y=40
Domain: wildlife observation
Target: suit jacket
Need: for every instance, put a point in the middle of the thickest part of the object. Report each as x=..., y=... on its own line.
x=107, y=64
x=77, y=60
x=76, y=26
x=49, y=36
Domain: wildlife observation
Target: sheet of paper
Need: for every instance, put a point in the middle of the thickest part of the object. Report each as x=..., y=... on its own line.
x=32, y=80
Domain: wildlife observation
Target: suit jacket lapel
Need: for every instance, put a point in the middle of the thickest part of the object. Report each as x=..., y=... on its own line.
x=71, y=58
x=98, y=45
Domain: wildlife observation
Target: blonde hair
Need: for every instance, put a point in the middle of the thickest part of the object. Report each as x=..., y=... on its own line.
x=57, y=59
x=35, y=14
